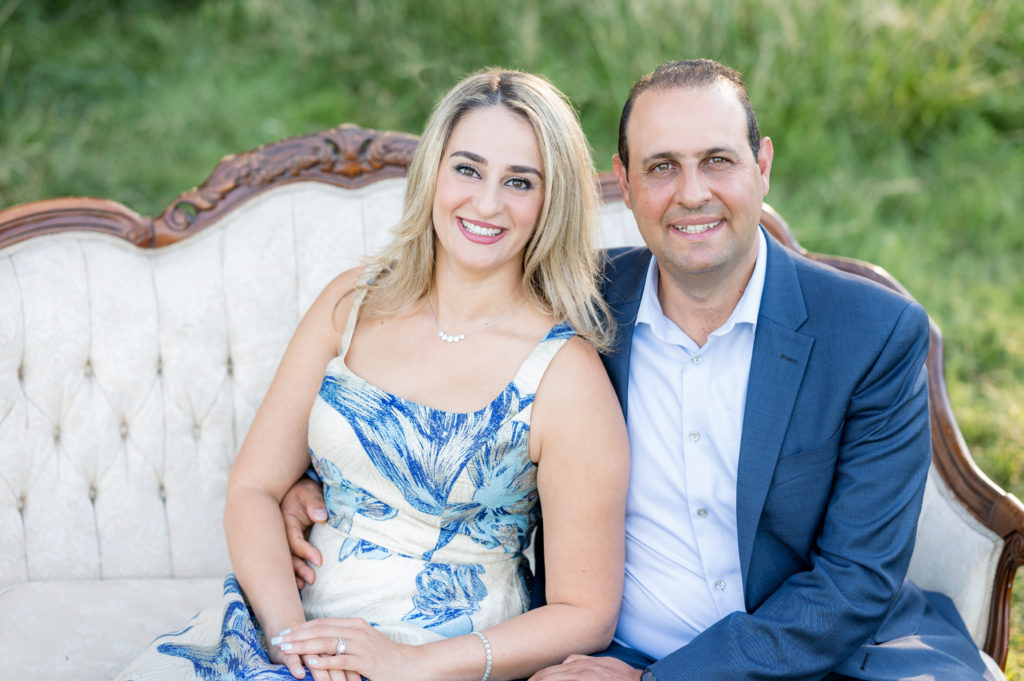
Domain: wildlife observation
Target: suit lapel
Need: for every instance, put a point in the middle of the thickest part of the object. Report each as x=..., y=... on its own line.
x=625, y=273
x=777, y=367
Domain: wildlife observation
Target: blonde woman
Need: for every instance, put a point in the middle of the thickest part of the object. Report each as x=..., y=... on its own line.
x=440, y=393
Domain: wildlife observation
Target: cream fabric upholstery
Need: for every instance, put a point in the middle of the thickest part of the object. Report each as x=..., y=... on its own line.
x=88, y=630
x=128, y=378
x=955, y=555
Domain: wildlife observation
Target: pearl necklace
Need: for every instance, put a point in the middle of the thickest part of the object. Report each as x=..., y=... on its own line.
x=448, y=338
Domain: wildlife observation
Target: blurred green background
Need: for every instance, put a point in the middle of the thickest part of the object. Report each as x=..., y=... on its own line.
x=898, y=125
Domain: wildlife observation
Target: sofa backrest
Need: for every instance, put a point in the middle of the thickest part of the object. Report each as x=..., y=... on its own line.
x=132, y=363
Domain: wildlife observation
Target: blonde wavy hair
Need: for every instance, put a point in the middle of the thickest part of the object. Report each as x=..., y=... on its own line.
x=560, y=263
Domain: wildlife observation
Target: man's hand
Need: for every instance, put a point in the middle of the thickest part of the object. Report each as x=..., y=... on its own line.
x=590, y=669
x=302, y=506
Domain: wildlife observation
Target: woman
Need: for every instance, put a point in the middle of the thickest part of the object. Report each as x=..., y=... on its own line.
x=431, y=482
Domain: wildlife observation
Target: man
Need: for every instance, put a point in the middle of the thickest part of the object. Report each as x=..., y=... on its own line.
x=777, y=414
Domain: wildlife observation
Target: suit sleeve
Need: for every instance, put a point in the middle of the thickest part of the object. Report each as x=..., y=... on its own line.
x=819, y=617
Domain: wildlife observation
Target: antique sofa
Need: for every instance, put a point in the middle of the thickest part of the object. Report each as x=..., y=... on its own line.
x=134, y=352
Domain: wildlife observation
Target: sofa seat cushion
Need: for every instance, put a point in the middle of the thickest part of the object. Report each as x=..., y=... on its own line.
x=88, y=630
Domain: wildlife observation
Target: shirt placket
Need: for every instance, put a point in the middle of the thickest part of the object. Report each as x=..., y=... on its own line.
x=700, y=466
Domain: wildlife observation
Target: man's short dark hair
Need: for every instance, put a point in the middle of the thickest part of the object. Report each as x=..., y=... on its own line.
x=689, y=74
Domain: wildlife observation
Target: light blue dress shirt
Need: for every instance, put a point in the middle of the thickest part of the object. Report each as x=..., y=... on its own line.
x=684, y=418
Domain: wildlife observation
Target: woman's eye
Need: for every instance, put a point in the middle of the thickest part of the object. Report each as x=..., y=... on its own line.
x=466, y=169
x=520, y=183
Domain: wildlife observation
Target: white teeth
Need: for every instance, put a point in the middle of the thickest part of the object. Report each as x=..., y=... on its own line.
x=478, y=230
x=695, y=229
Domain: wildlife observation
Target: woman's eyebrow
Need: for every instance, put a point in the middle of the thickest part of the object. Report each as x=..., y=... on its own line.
x=475, y=158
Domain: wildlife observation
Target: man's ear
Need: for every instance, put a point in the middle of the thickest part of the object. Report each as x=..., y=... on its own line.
x=620, y=175
x=764, y=163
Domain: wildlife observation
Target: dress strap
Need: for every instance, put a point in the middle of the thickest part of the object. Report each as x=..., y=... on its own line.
x=353, y=315
x=532, y=369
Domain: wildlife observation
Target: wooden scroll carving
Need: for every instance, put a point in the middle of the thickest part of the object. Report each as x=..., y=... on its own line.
x=347, y=156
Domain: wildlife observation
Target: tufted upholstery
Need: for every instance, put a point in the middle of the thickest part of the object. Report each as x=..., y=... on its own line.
x=128, y=378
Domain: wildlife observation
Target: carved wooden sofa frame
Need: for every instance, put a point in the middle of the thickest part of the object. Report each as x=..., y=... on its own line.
x=353, y=158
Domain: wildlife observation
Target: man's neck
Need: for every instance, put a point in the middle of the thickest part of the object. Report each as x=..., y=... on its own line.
x=700, y=303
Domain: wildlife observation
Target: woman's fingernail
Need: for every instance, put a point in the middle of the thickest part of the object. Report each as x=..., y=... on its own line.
x=286, y=646
x=276, y=640
x=285, y=631
x=319, y=514
x=313, y=662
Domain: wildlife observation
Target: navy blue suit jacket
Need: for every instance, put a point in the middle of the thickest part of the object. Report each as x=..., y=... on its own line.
x=834, y=455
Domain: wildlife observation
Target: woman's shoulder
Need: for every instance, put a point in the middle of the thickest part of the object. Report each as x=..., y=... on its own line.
x=575, y=402
x=346, y=281
x=576, y=369
x=337, y=296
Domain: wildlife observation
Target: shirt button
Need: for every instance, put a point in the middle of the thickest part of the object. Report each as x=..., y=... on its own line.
x=720, y=585
x=702, y=513
x=694, y=436
x=698, y=360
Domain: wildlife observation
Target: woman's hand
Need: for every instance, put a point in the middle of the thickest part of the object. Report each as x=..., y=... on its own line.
x=350, y=645
x=292, y=661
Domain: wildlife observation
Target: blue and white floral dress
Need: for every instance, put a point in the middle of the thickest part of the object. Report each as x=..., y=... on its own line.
x=429, y=513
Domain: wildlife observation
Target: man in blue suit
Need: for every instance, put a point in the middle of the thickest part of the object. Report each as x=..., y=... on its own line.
x=778, y=420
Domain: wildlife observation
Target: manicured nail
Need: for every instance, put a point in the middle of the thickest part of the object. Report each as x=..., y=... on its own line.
x=313, y=662
x=319, y=515
x=276, y=640
x=285, y=631
x=286, y=646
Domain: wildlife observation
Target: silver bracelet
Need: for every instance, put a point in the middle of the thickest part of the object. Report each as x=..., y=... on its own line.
x=487, y=652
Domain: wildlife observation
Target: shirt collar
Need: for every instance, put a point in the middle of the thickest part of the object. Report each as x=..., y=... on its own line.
x=745, y=312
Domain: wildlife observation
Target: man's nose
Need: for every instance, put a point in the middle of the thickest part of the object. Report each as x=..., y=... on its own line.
x=692, y=188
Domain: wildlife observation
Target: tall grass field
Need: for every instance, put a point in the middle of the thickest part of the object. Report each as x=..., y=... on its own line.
x=898, y=124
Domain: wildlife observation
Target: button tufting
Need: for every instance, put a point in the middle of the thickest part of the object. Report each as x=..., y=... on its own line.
x=162, y=492
x=21, y=503
x=87, y=370
x=159, y=365
x=231, y=367
x=124, y=430
x=195, y=431
x=21, y=373
x=56, y=433
x=92, y=492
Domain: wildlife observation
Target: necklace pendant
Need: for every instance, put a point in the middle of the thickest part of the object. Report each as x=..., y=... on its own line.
x=450, y=339
x=456, y=338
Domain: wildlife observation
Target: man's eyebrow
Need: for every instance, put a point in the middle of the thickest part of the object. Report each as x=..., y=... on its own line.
x=659, y=156
x=673, y=156
x=477, y=158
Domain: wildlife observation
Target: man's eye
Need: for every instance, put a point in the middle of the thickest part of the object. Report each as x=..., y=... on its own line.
x=467, y=170
x=662, y=167
x=520, y=183
x=716, y=160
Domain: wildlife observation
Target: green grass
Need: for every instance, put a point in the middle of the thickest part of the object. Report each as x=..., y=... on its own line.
x=898, y=124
